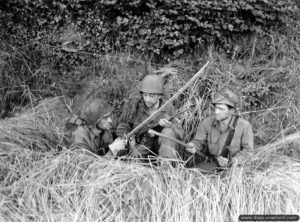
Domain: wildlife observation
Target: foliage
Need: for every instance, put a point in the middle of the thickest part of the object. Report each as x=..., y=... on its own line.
x=166, y=28
x=24, y=75
x=51, y=48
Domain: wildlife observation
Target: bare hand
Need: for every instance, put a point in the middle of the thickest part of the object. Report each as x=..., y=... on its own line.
x=150, y=134
x=191, y=147
x=223, y=162
x=165, y=123
x=132, y=142
x=117, y=145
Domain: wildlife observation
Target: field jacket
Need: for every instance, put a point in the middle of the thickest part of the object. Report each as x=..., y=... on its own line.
x=209, y=133
x=137, y=113
x=94, y=140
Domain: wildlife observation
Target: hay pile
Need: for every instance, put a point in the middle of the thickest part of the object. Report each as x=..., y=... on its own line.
x=40, y=182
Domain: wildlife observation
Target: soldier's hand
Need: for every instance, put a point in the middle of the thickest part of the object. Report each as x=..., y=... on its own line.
x=117, y=145
x=191, y=147
x=150, y=134
x=165, y=123
x=223, y=162
x=132, y=142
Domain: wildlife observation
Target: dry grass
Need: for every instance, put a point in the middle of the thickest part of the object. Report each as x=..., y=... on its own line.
x=40, y=127
x=76, y=185
x=41, y=180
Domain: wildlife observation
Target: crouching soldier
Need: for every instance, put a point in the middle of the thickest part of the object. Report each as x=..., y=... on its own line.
x=227, y=137
x=94, y=129
x=143, y=144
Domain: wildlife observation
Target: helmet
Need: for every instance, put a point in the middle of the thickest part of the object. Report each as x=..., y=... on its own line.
x=94, y=110
x=152, y=84
x=226, y=96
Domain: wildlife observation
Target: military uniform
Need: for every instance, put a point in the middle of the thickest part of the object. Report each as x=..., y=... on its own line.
x=230, y=143
x=137, y=112
x=94, y=140
x=88, y=135
x=209, y=134
x=156, y=145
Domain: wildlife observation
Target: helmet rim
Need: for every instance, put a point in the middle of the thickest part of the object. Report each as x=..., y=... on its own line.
x=226, y=96
x=94, y=110
x=151, y=84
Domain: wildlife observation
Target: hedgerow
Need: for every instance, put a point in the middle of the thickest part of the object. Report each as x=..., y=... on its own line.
x=166, y=28
x=50, y=48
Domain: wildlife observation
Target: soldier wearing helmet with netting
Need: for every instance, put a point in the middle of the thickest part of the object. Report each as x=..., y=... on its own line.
x=94, y=128
x=143, y=144
x=213, y=133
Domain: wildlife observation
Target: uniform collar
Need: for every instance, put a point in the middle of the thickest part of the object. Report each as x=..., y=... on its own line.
x=95, y=132
x=216, y=123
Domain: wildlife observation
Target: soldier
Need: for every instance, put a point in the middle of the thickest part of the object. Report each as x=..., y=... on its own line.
x=94, y=128
x=213, y=134
x=143, y=144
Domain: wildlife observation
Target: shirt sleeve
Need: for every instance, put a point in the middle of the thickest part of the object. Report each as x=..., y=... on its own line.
x=200, y=139
x=80, y=139
x=126, y=118
x=247, y=145
x=122, y=129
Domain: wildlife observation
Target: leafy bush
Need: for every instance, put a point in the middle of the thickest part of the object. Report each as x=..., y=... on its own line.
x=165, y=28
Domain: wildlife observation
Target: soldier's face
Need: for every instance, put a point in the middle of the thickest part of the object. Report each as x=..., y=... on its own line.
x=105, y=123
x=151, y=99
x=223, y=112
